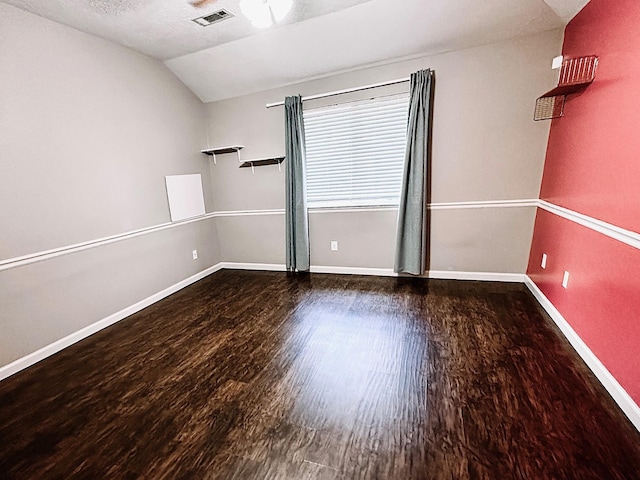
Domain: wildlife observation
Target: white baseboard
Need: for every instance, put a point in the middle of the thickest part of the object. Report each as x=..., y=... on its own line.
x=270, y=267
x=277, y=267
x=55, y=347
x=619, y=394
x=479, y=276
x=383, y=272
x=378, y=272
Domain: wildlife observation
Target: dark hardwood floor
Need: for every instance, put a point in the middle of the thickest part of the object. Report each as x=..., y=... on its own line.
x=257, y=375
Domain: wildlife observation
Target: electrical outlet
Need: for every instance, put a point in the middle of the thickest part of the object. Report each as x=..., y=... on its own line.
x=334, y=245
x=195, y=254
x=565, y=279
x=544, y=261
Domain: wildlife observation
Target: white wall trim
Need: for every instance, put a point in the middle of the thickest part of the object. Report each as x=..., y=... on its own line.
x=79, y=247
x=477, y=276
x=626, y=236
x=608, y=229
x=619, y=394
x=483, y=204
x=434, y=206
x=99, y=242
x=378, y=272
x=383, y=272
x=55, y=347
x=280, y=267
x=270, y=267
x=248, y=213
x=387, y=208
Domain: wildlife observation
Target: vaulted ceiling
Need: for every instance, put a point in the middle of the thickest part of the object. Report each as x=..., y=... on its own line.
x=317, y=38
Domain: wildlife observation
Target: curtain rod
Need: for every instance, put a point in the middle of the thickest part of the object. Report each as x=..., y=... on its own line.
x=346, y=90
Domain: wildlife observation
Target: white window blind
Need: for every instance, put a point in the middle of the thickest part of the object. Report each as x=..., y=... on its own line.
x=355, y=152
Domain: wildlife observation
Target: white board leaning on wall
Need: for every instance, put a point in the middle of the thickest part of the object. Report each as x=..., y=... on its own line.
x=186, y=199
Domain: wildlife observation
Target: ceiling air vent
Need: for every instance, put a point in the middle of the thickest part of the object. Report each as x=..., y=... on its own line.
x=213, y=17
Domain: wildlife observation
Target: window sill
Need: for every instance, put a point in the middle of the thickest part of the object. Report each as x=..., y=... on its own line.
x=352, y=208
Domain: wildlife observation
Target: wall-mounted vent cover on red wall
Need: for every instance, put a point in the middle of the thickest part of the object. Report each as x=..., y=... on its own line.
x=575, y=74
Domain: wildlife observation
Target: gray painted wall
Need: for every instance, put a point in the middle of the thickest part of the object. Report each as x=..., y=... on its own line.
x=485, y=147
x=88, y=131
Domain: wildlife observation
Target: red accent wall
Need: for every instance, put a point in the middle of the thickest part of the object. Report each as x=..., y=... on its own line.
x=593, y=155
x=593, y=167
x=602, y=301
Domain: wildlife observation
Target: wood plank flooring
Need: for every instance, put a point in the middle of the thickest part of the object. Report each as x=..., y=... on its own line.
x=262, y=375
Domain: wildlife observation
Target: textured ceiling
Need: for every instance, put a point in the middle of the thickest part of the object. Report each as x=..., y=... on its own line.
x=378, y=31
x=318, y=38
x=163, y=28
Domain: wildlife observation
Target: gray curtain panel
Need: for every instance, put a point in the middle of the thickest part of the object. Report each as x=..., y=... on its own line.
x=411, y=242
x=296, y=189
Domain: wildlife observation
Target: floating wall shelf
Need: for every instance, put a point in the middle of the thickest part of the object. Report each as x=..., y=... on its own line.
x=222, y=150
x=575, y=75
x=259, y=162
x=255, y=162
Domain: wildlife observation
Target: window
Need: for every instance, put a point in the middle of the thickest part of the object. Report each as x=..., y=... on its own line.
x=355, y=152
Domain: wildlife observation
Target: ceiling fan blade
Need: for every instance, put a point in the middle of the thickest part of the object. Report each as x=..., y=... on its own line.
x=201, y=3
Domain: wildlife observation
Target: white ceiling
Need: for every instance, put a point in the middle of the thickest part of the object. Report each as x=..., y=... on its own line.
x=163, y=28
x=566, y=9
x=318, y=38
